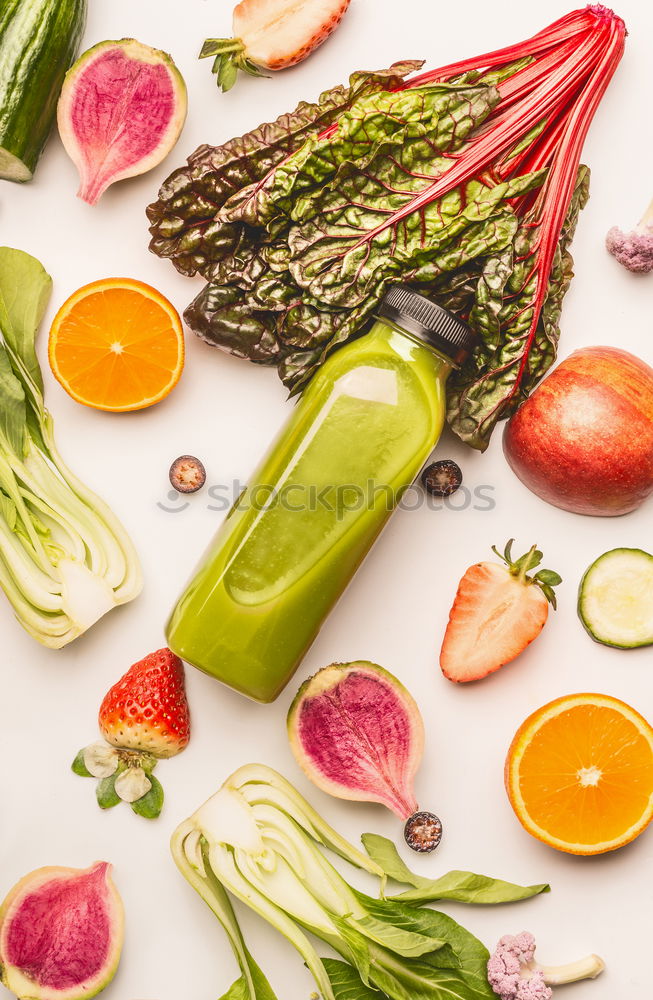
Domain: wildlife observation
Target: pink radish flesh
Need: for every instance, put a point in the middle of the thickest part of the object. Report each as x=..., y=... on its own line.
x=60, y=935
x=123, y=108
x=359, y=735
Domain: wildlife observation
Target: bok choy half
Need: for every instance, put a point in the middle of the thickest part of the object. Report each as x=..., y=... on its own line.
x=65, y=560
x=259, y=840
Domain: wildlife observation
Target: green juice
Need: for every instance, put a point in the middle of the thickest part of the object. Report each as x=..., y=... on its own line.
x=293, y=540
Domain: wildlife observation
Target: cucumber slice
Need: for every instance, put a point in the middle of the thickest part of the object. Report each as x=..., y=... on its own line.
x=615, y=599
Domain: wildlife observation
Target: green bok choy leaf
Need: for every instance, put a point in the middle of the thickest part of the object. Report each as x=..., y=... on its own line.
x=64, y=558
x=259, y=840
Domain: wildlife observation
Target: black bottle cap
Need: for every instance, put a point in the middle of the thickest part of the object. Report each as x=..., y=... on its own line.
x=427, y=321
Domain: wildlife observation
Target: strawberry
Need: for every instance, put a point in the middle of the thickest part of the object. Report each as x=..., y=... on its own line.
x=147, y=709
x=272, y=34
x=143, y=717
x=496, y=614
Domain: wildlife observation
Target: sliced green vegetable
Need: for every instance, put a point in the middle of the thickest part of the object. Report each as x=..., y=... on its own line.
x=38, y=42
x=261, y=841
x=615, y=599
x=64, y=558
x=190, y=856
x=464, y=887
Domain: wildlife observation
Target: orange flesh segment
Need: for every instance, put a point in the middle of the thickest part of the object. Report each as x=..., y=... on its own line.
x=585, y=776
x=117, y=346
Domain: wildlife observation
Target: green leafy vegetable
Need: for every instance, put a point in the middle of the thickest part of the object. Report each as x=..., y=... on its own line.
x=506, y=366
x=464, y=182
x=193, y=863
x=464, y=887
x=545, y=579
x=64, y=558
x=347, y=984
x=150, y=805
x=79, y=767
x=106, y=793
x=261, y=841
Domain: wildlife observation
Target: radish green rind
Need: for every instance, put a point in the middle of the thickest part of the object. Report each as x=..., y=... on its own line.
x=615, y=599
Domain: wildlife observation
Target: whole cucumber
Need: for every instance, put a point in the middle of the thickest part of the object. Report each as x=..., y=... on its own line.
x=39, y=40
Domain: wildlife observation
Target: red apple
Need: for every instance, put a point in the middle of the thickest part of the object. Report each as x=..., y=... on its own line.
x=584, y=440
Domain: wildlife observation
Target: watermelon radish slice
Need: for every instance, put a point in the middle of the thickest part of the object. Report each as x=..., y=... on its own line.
x=358, y=734
x=61, y=933
x=121, y=110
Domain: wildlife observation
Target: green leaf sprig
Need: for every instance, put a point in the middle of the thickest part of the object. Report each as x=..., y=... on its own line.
x=545, y=579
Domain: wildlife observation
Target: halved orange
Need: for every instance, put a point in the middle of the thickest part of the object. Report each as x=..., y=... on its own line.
x=579, y=774
x=117, y=345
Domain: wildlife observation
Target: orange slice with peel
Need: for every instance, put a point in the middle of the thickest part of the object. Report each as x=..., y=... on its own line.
x=117, y=345
x=579, y=774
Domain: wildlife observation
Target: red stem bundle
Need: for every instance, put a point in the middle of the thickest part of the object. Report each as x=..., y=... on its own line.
x=574, y=60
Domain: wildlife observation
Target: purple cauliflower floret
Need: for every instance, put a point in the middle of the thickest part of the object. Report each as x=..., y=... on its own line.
x=534, y=988
x=509, y=972
x=635, y=249
x=514, y=974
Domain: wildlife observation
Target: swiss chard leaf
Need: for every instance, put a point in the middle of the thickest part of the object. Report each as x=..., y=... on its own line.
x=182, y=220
x=342, y=251
x=433, y=120
x=464, y=887
x=505, y=367
x=300, y=225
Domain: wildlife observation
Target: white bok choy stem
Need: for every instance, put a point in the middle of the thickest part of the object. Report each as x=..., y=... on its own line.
x=190, y=852
x=258, y=839
x=65, y=560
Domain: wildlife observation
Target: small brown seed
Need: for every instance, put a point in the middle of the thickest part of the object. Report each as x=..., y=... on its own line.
x=442, y=478
x=423, y=832
x=187, y=474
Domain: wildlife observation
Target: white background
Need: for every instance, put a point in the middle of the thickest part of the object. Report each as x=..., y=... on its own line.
x=226, y=411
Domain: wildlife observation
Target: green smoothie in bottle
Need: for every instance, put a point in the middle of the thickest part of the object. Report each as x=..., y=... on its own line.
x=291, y=543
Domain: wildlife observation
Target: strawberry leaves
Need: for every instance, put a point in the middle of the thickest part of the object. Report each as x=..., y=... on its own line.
x=79, y=767
x=123, y=776
x=150, y=805
x=144, y=717
x=106, y=794
x=229, y=57
x=545, y=579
